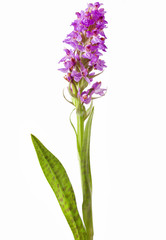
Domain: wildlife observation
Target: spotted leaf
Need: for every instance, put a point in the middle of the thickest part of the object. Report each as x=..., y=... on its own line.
x=60, y=184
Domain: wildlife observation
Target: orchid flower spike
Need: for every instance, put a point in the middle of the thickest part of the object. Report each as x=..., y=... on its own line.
x=88, y=42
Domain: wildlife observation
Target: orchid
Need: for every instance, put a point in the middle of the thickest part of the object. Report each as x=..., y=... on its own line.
x=80, y=63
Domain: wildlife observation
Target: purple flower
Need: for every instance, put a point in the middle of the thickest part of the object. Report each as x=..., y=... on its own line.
x=99, y=65
x=83, y=73
x=69, y=54
x=86, y=96
x=88, y=42
x=69, y=60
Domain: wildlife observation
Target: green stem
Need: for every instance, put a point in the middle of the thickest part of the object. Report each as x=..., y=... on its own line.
x=80, y=130
x=85, y=175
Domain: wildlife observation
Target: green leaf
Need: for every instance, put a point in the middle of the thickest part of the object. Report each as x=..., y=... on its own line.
x=89, y=110
x=72, y=122
x=60, y=183
x=86, y=178
x=66, y=98
x=78, y=147
x=92, y=76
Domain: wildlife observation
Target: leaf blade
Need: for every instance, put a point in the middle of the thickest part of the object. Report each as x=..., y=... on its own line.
x=60, y=184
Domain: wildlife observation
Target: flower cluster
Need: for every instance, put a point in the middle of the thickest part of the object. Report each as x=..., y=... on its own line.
x=87, y=40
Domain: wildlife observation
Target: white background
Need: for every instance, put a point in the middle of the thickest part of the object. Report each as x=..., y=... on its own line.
x=128, y=144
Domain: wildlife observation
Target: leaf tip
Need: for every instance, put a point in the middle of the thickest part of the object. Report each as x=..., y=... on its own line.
x=33, y=138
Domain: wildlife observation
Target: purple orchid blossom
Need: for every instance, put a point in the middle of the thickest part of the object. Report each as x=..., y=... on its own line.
x=86, y=96
x=88, y=42
x=82, y=74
